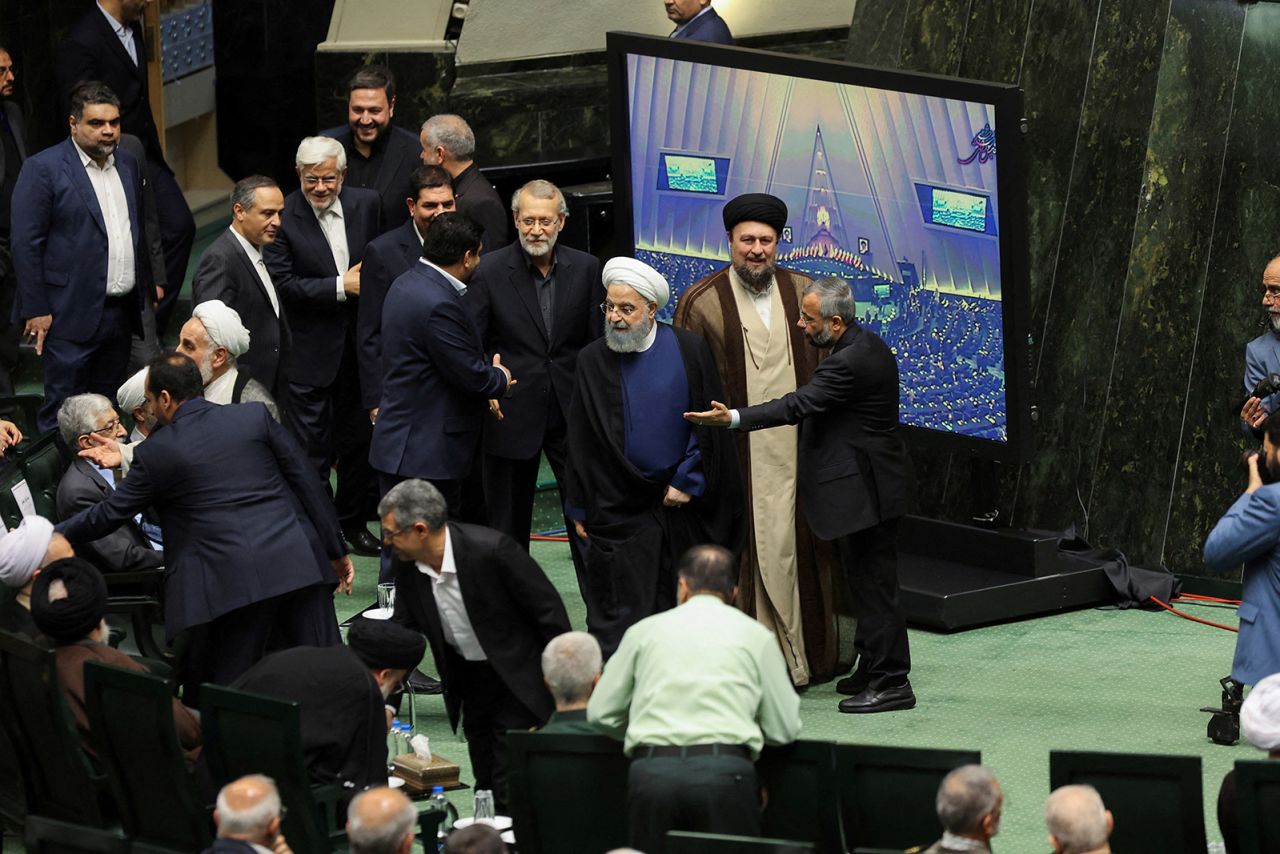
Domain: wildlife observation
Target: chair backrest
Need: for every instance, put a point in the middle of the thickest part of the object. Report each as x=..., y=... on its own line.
x=49, y=836
x=247, y=733
x=39, y=464
x=1157, y=801
x=22, y=410
x=1258, y=806
x=44, y=734
x=800, y=782
x=132, y=729
x=568, y=792
x=15, y=786
x=683, y=842
x=888, y=794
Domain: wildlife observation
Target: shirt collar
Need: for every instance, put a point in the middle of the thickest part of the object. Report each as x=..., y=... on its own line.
x=255, y=254
x=88, y=162
x=335, y=209
x=117, y=27
x=447, y=565
x=422, y=238
x=533, y=269
x=650, y=338
x=458, y=285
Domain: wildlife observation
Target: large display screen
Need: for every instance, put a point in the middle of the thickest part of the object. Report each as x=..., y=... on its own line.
x=907, y=186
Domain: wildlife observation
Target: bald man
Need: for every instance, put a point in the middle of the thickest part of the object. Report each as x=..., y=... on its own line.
x=1262, y=354
x=215, y=338
x=1078, y=822
x=248, y=818
x=380, y=821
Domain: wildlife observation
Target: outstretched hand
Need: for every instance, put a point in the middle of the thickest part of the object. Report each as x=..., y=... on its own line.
x=10, y=435
x=717, y=416
x=107, y=453
x=346, y=573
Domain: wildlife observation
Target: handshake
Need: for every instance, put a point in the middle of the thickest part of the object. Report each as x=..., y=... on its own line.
x=495, y=408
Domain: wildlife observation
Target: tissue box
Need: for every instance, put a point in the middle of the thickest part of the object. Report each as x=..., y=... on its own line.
x=419, y=774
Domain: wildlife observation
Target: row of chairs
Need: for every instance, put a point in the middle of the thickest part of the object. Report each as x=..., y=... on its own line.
x=568, y=795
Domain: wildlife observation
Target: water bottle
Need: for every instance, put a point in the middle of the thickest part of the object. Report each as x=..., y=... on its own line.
x=406, y=733
x=437, y=819
x=393, y=743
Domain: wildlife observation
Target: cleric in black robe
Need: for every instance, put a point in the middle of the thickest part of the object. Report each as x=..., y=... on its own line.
x=341, y=692
x=642, y=487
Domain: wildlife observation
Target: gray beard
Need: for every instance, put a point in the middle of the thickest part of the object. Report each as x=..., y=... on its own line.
x=823, y=338
x=538, y=250
x=1275, y=321
x=627, y=340
x=757, y=282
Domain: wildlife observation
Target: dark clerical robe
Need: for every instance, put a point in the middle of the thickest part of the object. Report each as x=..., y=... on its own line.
x=628, y=441
x=344, y=720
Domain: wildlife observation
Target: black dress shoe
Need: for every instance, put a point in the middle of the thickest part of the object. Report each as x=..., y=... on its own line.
x=855, y=683
x=421, y=683
x=362, y=542
x=885, y=700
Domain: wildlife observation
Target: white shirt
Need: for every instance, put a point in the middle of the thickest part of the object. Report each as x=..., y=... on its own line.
x=650, y=338
x=335, y=232
x=125, y=34
x=453, y=612
x=260, y=267
x=763, y=303
x=222, y=388
x=109, y=190
x=458, y=284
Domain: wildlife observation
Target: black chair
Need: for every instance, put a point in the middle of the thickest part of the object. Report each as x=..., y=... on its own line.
x=567, y=792
x=1258, y=806
x=64, y=784
x=15, y=787
x=132, y=729
x=251, y=734
x=1157, y=801
x=23, y=410
x=40, y=464
x=799, y=780
x=684, y=842
x=49, y=836
x=888, y=794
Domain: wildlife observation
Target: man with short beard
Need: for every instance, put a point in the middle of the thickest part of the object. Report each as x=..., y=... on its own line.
x=641, y=486
x=215, y=339
x=534, y=301
x=1262, y=354
x=748, y=312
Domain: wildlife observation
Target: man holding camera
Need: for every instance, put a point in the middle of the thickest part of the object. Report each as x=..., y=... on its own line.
x=1249, y=533
x=1262, y=354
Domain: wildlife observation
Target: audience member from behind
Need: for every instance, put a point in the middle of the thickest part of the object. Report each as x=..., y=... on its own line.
x=215, y=339
x=1260, y=723
x=381, y=821
x=721, y=675
x=571, y=668
x=447, y=141
x=248, y=818
x=69, y=604
x=1077, y=820
x=476, y=839
x=969, y=803
x=24, y=551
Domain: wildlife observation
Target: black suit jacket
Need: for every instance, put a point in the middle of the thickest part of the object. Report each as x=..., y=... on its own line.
x=303, y=271
x=126, y=549
x=402, y=154
x=503, y=299
x=226, y=273
x=707, y=27
x=385, y=260
x=477, y=198
x=18, y=125
x=92, y=51
x=852, y=464
x=513, y=609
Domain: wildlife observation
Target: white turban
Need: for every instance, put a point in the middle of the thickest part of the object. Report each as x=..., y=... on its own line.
x=133, y=393
x=22, y=550
x=222, y=324
x=1260, y=714
x=646, y=281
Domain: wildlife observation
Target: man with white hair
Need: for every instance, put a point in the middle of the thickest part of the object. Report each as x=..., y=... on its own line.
x=248, y=818
x=1077, y=820
x=643, y=485
x=1260, y=725
x=447, y=140
x=969, y=804
x=381, y=821
x=24, y=551
x=315, y=264
x=571, y=666
x=215, y=339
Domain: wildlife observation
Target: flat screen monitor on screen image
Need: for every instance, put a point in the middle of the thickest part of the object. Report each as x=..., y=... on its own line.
x=908, y=186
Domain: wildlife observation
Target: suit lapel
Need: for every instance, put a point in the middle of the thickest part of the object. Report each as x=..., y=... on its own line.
x=390, y=162
x=565, y=281
x=410, y=248
x=247, y=263
x=349, y=226
x=130, y=182
x=115, y=46
x=307, y=229
x=75, y=170
x=522, y=282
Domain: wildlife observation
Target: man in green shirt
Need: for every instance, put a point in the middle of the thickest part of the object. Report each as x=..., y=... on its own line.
x=697, y=690
x=571, y=668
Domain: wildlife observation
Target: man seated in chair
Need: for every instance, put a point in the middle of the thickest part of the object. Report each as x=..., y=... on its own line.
x=24, y=551
x=137, y=544
x=342, y=692
x=571, y=668
x=1078, y=821
x=69, y=603
x=248, y=818
x=215, y=338
x=969, y=804
x=381, y=821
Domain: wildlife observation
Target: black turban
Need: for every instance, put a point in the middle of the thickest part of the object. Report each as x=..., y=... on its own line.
x=382, y=644
x=756, y=207
x=70, y=619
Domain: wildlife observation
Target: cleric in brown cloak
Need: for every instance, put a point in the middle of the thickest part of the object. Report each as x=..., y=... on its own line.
x=642, y=487
x=747, y=314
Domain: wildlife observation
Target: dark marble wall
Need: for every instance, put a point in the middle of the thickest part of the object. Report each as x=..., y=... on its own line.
x=1154, y=205
x=31, y=30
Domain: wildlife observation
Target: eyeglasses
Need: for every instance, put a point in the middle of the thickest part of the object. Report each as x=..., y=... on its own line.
x=314, y=180
x=389, y=534
x=544, y=221
x=107, y=429
x=1271, y=292
x=625, y=309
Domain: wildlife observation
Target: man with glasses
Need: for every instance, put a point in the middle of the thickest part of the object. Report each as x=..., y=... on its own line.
x=534, y=302
x=1262, y=354
x=642, y=486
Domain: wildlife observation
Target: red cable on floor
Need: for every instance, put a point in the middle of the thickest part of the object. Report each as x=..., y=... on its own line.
x=1200, y=598
x=1169, y=607
x=539, y=538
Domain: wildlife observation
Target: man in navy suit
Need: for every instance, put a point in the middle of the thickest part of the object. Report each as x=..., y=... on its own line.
x=697, y=21
x=250, y=537
x=853, y=480
x=437, y=381
x=106, y=44
x=535, y=302
x=386, y=259
x=315, y=264
x=77, y=250
x=380, y=155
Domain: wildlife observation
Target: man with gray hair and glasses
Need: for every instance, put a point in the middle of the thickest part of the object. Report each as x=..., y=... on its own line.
x=380, y=821
x=571, y=666
x=969, y=804
x=248, y=817
x=853, y=477
x=1077, y=820
x=447, y=141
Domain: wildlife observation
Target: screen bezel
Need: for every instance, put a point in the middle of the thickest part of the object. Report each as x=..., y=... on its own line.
x=1011, y=187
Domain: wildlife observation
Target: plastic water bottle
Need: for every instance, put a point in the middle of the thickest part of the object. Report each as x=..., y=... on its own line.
x=393, y=741
x=437, y=818
x=406, y=737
